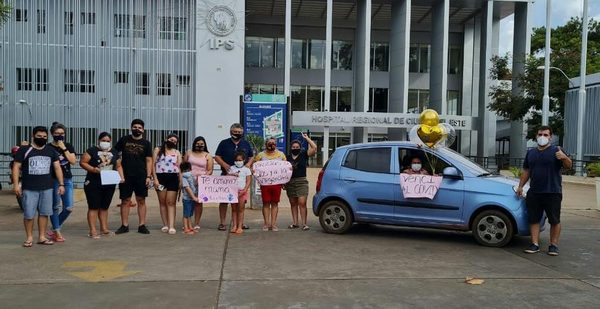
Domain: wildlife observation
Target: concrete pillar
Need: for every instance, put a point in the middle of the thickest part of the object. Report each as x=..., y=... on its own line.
x=438, y=76
x=521, y=49
x=399, y=62
x=328, y=41
x=288, y=48
x=470, y=85
x=362, y=69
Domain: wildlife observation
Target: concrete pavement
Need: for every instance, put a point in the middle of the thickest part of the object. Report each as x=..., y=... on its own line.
x=371, y=267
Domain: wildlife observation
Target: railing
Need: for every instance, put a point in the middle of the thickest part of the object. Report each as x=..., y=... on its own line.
x=501, y=162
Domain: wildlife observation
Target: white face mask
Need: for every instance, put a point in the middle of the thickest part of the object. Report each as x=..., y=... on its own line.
x=239, y=163
x=105, y=145
x=416, y=167
x=543, y=141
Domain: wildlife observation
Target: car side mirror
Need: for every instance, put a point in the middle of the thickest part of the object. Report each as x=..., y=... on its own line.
x=451, y=172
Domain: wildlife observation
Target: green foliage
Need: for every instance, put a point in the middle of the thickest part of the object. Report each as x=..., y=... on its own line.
x=566, y=54
x=515, y=171
x=593, y=169
x=255, y=141
x=4, y=12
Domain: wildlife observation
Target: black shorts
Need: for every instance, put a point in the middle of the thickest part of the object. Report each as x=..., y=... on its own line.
x=131, y=185
x=98, y=196
x=538, y=203
x=169, y=180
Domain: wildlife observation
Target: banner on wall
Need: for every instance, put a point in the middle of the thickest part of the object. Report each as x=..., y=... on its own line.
x=266, y=116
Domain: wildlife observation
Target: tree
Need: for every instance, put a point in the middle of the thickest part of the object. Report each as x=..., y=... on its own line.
x=4, y=12
x=566, y=55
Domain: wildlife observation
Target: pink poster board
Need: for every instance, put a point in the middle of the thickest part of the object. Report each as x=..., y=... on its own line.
x=419, y=186
x=272, y=172
x=217, y=189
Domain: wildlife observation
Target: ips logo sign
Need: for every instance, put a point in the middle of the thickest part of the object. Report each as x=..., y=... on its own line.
x=221, y=22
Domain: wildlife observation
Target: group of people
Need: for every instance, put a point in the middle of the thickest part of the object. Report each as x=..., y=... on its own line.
x=44, y=171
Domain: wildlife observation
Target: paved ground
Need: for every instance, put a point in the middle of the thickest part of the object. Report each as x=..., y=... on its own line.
x=372, y=267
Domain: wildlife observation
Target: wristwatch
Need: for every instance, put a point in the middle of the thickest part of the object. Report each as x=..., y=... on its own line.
x=61, y=185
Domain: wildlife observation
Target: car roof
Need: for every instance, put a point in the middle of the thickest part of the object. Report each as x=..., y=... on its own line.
x=372, y=144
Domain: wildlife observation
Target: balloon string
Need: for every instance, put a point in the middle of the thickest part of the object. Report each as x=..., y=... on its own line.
x=432, y=163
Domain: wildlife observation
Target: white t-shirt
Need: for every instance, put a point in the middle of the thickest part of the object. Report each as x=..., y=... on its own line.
x=243, y=173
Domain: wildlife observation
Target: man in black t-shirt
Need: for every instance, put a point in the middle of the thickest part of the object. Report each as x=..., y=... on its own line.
x=136, y=158
x=35, y=164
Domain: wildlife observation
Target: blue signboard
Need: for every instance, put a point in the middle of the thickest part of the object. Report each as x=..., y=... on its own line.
x=266, y=115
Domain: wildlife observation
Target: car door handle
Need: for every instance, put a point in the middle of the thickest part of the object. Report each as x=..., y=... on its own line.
x=349, y=179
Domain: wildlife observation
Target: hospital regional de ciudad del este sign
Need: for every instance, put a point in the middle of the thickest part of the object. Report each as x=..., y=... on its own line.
x=373, y=120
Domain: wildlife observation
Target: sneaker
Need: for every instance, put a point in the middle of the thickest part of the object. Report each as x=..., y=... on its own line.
x=553, y=250
x=143, y=230
x=245, y=227
x=533, y=248
x=122, y=230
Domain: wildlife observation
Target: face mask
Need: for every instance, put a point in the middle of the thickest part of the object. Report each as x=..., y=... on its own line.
x=199, y=148
x=295, y=152
x=170, y=144
x=58, y=138
x=136, y=133
x=543, y=141
x=40, y=141
x=236, y=136
x=416, y=167
x=270, y=147
x=105, y=145
x=239, y=164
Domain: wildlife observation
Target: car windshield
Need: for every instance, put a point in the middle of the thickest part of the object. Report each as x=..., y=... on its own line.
x=471, y=166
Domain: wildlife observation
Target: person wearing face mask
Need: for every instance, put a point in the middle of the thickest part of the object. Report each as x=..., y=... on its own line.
x=35, y=164
x=297, y=188
x=416, y=167
x=202, y=164
x=66, y=157
x=244, y=176
x=166, y=180
x=542, y=168
x=136, y=159
x=270, y=194
x=96, y=159
x=225, y=157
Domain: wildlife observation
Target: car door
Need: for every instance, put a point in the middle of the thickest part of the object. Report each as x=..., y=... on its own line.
x=447, y=205
x=369, y=184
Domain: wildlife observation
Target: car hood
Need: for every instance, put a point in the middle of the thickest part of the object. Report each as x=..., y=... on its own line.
x=493, y=184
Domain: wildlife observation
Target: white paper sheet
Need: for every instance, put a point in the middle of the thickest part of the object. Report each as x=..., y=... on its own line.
x=110, y=177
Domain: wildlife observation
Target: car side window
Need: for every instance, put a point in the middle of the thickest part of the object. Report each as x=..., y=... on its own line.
x=375, y=160
x=433, y=164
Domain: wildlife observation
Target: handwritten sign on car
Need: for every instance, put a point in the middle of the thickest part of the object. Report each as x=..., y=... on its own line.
x=217, y=189
x=420, y=186
x=272, y=172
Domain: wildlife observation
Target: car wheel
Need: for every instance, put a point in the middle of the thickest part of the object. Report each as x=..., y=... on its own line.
x=335, y=217
x=492, y=228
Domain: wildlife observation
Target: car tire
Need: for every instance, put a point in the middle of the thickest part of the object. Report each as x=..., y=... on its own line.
x=492, y=228
x=335, y=217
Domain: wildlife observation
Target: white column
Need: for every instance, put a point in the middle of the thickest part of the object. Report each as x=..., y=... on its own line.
x=438, y=77
x=325, y=148
x=288, y=48
x=362, y=44
x=399, y=62
x=486, y=135
x=581, y=106
x=546, y=97
x=328, y=42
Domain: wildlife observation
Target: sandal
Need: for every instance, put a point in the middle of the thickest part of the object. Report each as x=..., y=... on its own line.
x=305, y=228
x=28, y=244
x=46, y=242
x=196, y=228
x=189, y=232
x=265, y=228
x=239, y=231
x=59, y=239
x=94, y=236
x=172, y=231
x=164, y=229
x=108, y=233
x=293, y=226
x=233, y=230
x=274, y=228
x=221, y=227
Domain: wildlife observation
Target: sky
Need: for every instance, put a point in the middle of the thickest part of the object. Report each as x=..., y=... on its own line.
x=562, y=11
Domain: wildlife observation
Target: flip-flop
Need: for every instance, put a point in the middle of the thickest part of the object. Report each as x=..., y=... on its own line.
x=59, y=239
x=46, y=242
x=293, y=226
x=221, y=227
x=27, y=244
x=305, y=228
x=108, y=233
x=93, y=236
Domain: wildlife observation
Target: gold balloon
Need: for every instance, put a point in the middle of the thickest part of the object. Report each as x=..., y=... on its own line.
x=431, y=135
x=429, y=117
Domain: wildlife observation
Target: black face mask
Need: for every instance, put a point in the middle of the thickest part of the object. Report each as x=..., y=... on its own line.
x=40, y=141
x=237, y=136
x=271, y=147
x=136, y=133
x=199, y=148
x=295, y=152
x=58, y=138
x=170, y=144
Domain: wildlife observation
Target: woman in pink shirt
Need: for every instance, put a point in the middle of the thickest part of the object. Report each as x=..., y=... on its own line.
x=202, y=164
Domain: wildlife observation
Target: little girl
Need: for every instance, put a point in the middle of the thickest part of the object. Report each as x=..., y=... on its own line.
x=244, y=179
x=189, y=197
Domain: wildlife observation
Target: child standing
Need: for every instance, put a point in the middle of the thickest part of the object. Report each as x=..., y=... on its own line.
x=189, y=197
x=244, y=179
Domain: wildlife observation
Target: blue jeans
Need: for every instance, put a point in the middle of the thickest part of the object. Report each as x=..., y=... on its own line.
x=58, y=217
x=188, y=208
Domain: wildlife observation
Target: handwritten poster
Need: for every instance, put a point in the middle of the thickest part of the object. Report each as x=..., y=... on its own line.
x=420, y=186
x=217, y=189
x=272, y=172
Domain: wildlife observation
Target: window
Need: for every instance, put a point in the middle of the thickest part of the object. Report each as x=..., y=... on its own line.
x=454, y=60
x=163, y=84
x=139, y=26
x=280, y=53
x=317, y=54
x=252, y=52
x=299, y=51
x=183, y=80
x=20, y=15
x=419, y=58
x=379, y=56
x=41, y=79
x=454, y=107
x=41, y=21
x=433, y=164
x=68, y=23
x=418, y=100
x=24, y=79
x=341, y=55
x=341, y=99
x=142, y=83
x=121, y=77
x=80, y=81
x=315, y=95
x=71, y=81
x=378, y=100
x=88, y=18
x=374, y=160
x=298, y=98
x=172, y=28
x=121, y=26
x=267, y=52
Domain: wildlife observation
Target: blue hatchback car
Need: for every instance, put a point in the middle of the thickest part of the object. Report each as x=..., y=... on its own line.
x=361, y=183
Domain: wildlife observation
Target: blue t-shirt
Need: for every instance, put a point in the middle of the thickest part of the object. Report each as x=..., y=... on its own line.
x=227, y=150
x=544, y=170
